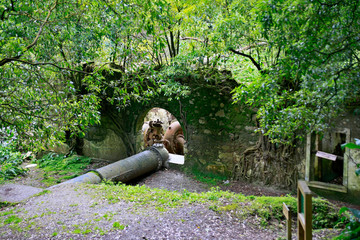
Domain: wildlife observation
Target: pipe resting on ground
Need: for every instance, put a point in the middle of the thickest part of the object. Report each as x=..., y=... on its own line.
x=152, y=159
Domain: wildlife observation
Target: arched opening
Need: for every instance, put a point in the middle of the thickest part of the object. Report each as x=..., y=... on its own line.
x=160, y=126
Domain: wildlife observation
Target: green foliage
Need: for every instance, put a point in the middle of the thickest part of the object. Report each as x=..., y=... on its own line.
x=325, y=214
x=5, y=204
x=119, y=226
x=357, y=171
x=312, y=77
x=296, y=61
x=10, y=163
x=43, y=192
x=158, y=198
x=12, y=219
x=64, y=164
x=352, y=228
x=66, y=167
x=352, y=146
x=212, y=179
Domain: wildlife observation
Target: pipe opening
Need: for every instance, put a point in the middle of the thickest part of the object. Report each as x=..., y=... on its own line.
x=160, y=126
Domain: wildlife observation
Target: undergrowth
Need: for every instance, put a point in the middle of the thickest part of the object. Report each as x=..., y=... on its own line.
x=10, y=163
x=62, y=166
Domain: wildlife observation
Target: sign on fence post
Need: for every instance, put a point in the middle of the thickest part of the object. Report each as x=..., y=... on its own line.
x=287, y=214
x=304, y=211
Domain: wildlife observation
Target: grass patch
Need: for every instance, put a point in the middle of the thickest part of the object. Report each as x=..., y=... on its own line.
x=6, y=204
x=117, y=225
x=7, y=212
x=209, y=178
x=325, y=214
x=43, y=192
x=64, y=167
x=12, y=219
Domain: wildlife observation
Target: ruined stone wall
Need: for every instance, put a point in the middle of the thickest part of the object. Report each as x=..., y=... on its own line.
x=216, y=130
x=344, y=129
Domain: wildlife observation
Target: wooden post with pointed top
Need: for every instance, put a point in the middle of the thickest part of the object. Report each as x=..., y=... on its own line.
x=287, y=215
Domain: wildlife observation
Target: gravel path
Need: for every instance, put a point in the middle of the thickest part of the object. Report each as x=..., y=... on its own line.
x=78, y=212
x=81, y=211
x=173, y=180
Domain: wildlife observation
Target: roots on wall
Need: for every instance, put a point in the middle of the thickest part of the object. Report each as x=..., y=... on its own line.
x=271, y=164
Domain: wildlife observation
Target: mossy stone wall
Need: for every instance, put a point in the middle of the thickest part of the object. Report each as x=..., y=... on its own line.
x=216, y=130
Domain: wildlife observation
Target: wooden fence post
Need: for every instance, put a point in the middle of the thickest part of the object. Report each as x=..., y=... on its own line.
x=287, y=214
x=304, y=211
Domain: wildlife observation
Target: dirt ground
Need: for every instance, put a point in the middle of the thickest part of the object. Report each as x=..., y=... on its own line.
x=78, y=212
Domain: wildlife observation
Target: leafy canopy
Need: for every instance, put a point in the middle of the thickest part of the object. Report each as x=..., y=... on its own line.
x=295, y=61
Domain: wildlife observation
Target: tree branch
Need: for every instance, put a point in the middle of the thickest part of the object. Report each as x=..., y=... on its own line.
x=192, y=38
x=252, y=46
x=8, y=9
x=48, y=63
x=257, y=65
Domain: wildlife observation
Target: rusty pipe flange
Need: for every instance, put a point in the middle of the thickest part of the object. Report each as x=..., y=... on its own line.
x=161, y=157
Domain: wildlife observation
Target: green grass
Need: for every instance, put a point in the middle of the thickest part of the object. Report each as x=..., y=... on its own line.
x=62, y=167
x=211, y=179
x=266, y=209
x=117, y=225
x=6, y=204
x=325, y=214
x=56, y=167
x=12, y=219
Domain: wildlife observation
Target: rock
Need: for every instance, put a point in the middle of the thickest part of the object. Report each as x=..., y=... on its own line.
x=220, y=113
x=30, y=166
x=15, y=193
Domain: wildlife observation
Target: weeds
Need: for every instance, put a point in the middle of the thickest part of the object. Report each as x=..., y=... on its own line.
x=12, y=219
x=352, y=228
x=117, y=225
x=65, y=167
x=10, y=161
x=325, y=215
x=209, y=178
x=62, y=165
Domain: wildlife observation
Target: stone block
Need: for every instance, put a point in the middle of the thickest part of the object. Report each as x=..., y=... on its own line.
x=216, y=168
x=15, y=193
x=111, y=148
x=220, y=113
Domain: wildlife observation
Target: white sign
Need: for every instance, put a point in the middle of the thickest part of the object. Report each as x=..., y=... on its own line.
x=325, y=155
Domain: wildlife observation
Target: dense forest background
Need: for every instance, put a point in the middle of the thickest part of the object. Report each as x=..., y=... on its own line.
x=296, y=62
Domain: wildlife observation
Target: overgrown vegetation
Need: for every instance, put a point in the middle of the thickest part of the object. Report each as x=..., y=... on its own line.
x=296, y=61
x=10, y=163
x=58, y=167
x=352, y=228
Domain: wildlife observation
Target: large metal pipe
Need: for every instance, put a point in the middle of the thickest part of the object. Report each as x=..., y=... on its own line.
x=152, y=159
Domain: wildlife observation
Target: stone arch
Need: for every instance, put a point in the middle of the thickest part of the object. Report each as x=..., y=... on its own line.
x=215, y=129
